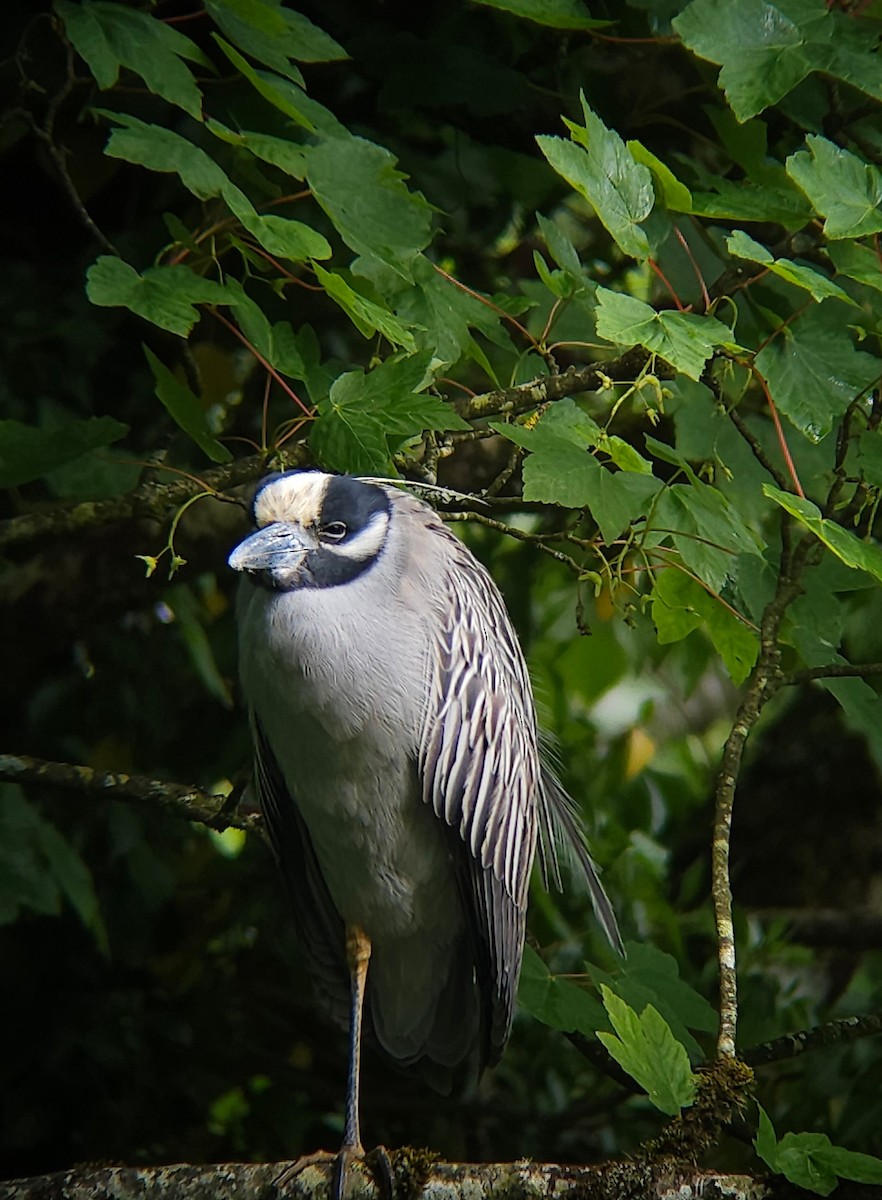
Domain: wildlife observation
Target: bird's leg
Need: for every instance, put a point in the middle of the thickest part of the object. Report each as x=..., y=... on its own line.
x=358, y=954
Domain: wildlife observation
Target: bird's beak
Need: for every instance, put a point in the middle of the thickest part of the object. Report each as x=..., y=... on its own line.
x=278, y=549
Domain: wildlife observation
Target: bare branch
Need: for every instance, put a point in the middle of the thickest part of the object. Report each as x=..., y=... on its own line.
x=757, y=449
x=834, y=671
x=191, y=802
x=150, y=501
x=793, y=1044
x=764, y=682
x=514, y=400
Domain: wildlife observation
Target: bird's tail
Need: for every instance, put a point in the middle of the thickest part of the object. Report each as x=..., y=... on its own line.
x=562, y=837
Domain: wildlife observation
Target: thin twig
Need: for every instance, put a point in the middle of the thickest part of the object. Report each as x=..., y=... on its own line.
x=757, y=449
x=834, y=671
x=521, y=536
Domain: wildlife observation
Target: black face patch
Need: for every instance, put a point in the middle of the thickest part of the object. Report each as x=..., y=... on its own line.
x=352, y=512
x=352, y=503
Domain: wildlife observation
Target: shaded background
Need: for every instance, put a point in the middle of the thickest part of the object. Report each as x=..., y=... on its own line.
x=173, y=1021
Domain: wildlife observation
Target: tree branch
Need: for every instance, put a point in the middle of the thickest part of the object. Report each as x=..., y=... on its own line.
x=764, y=682
x=833, y=671
x=791, y=1045
x=156, y=502
x=151, y=501
x=412, y=1179
x=514, y=400
x=191, y=802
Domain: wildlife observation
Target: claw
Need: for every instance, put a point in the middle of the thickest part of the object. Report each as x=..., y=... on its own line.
x=377, y=1162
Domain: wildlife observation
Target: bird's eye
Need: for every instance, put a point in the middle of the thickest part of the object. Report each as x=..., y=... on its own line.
x=334, y=532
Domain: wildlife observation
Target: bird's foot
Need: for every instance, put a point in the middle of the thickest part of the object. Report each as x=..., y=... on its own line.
x=376, y=1161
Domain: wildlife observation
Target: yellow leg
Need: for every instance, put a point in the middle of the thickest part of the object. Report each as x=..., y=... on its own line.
x=358, y=954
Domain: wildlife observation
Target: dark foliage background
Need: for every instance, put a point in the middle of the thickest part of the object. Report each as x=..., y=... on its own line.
x=153, y=1005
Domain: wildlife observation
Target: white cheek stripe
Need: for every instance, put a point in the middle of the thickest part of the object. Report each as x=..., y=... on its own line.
x=365, y=544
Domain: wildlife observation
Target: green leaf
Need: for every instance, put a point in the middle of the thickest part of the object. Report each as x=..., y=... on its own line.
x=366, y=418
x=680, y=604
x=685, y=340
x=110, y=36
x=811, y=1161
x=282, y=94
x=766, y=1143
x=561, y=248
x=274, y=35
x=602, y=169
x=842, y=187
x=366, y=316
x=442, y=315
x=189, y=621
x=858, y=262
x=559, y=14
x=164, y=150
x=560, y=469
x=814, y=372
x=850, y=1164
x=810, y=280
x=555, y=1001
x=863, y=556
x=707, y=531
x=39, y=867
x=186, y=409
x=766, y=49
x=166, y=296
x=277, y=343
x=645, y=1047
x=279, y=152
x=356, y=183
x=28, y=452
x=286, y=237
x=748, y=201
x=649, y=976
x=676, y=195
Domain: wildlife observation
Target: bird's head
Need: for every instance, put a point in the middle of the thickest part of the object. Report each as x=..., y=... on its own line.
x=313, y=531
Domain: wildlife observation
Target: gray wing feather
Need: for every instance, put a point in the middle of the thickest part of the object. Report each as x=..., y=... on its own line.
x=482, y=767
x=479, y=764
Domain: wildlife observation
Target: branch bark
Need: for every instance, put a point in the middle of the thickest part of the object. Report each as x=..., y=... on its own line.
x=791, y=1045
x=441, y=1181
x=217, y=812
x=156, y=502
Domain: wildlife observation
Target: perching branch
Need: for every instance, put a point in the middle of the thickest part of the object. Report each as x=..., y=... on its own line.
x=191, y=802
x=413, y=1178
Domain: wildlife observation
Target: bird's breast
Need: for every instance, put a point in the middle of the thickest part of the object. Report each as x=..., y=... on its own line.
x=342, y=714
